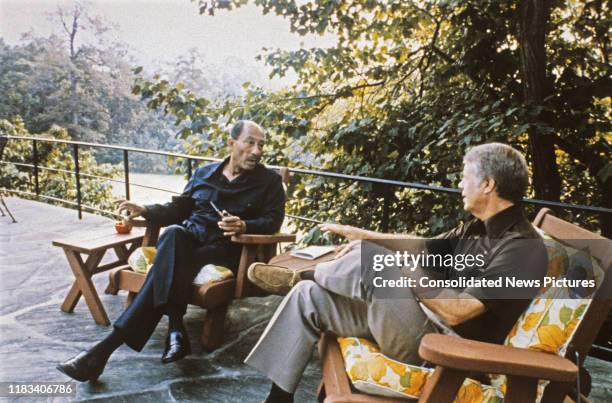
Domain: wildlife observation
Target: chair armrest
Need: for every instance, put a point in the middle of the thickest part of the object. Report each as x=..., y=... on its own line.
x=151, y=233
x=139, y=222
x=262, y=239
x=470, y=355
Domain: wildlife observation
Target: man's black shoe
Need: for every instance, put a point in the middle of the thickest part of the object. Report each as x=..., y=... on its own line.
x=83, y=367
x=177, y=346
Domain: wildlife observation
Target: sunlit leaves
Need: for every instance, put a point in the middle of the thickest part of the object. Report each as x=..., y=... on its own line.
x=405, y=90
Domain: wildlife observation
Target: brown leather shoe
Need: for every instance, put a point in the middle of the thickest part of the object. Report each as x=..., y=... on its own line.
x=274, y=279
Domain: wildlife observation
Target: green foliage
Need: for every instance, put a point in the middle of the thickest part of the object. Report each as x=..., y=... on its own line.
x=36, y=86
x=95, y=192
x=406, y=89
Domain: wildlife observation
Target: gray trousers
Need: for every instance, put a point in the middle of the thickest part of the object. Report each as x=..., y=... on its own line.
x=335, y=303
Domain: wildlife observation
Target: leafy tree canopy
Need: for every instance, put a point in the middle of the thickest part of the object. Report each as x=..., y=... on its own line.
x=407, y=87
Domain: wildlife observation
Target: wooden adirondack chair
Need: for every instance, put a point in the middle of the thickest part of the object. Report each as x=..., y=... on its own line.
x=455, y=357
x=214, y=297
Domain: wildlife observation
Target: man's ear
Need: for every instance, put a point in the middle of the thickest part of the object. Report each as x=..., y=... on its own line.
x=488, y=185
x=230, y=142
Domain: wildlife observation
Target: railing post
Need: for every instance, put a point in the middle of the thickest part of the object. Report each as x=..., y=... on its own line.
x=386, y=203
x=77, y=172
x=35, y=157
x=189, y=168
x=126, y=174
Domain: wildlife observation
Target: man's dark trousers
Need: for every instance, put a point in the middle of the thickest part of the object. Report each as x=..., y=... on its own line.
x=168, y=284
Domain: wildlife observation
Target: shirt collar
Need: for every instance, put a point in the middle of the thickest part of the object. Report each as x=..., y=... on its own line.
x=219, y=168
x=214, y=168
x=498, y=224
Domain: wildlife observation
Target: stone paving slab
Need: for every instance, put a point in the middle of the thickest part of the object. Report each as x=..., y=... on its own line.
x=35, y=335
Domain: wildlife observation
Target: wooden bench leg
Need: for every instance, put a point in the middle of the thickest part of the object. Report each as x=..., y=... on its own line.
x=75, y=291
x=72, y=298
x=84, y=286
x=213, y=330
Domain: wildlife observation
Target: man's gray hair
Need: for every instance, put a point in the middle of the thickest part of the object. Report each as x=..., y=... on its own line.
x=505, y=165
x=238, y=127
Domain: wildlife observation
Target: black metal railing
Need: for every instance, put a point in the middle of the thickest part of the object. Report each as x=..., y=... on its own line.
x=387, y=184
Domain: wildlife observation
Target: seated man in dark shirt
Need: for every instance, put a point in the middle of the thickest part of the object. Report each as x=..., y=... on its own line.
x=339, y=296
x=252, y=199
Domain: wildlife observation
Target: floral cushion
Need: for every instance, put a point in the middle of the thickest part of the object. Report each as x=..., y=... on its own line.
x=212, y=274
x=472, y=391
x=142, y=258
x=372, y=372
x=551, y=320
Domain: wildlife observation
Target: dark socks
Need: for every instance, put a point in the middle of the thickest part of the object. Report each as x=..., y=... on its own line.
x=175, y=320
x=278, y=395
x=108, y=345
x=307, y=275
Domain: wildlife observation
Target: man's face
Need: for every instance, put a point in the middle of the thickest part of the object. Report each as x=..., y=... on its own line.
x=247, y=149
x=472, y=188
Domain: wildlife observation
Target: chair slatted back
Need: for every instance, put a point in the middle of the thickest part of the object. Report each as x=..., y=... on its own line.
x=601, y=250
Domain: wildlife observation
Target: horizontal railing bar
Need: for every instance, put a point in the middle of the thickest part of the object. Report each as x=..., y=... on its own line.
x=389, y=182
x=297, y=217
x=90, y=176
x=357, y=178
x=154, y=188
x=133, y=149
x=118, y=215
x=57, y=199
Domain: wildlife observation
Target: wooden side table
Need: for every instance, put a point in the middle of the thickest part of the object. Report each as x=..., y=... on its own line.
x=94, y=245
x=296, y=263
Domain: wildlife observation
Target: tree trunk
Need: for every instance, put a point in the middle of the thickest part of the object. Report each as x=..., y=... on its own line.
x=594, y=160
x=532, y=35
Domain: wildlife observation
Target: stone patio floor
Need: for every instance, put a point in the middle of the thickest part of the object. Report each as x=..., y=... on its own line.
x=35, y=335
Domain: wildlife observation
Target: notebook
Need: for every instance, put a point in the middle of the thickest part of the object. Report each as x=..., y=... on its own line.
x=313, y=252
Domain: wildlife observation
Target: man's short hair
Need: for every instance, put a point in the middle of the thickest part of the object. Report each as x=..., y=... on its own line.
x=505, y=165
x=239, y=127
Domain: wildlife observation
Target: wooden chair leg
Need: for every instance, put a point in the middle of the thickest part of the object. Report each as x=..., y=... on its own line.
x=442, y=385
x=213, y=330
x=130, y=297
x=321, y=391
x=113, y=282
x=521, y=389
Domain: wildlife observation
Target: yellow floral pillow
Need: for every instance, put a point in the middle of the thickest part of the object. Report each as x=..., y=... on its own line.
x=472, y=391
x=549, y=322
x=552, y=319
x=211, y=274
x=142, y=258
x=372, y=372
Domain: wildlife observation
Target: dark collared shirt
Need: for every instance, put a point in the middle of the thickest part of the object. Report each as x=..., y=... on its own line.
x=512, y=248
x=256, y=196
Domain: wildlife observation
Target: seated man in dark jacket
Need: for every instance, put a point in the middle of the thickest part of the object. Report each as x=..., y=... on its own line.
x=252, y=199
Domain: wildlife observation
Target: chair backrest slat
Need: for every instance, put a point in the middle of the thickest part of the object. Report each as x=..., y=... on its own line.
x=601, y=250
